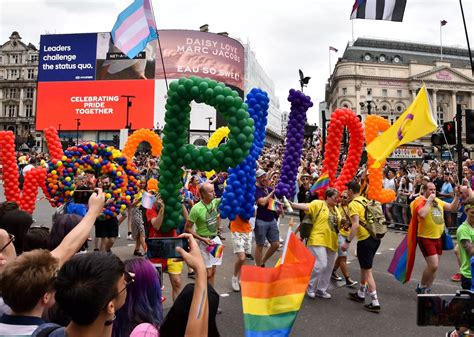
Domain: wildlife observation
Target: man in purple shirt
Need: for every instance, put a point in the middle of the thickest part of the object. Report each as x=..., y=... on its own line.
x=266, y=226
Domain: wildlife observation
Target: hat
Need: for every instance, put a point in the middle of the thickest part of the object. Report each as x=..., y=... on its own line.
x=260, y=173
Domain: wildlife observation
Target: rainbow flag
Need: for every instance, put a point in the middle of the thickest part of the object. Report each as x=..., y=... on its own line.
x=272, y=297
x=322, y=182
x=215, y=250
x=404, y=258
x=274, y=205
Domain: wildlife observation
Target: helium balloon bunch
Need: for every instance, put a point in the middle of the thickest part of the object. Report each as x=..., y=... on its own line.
x=142, y=135
x=239, y=195
x=373, y=125
x=340, y=119
x=177, y=153
x=55, y=147
x=101, y=159
x=10, y=167
x=214, y=141
x=300, y=103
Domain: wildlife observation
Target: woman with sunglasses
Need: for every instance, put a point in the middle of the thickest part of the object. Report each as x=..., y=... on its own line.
x=322, y=242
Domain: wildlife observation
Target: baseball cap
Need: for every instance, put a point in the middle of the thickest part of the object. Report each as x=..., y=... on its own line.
x=260, y=173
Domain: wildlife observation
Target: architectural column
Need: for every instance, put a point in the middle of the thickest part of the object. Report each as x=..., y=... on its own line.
x=471, y=106
x=453, y=106
x=21, y=105
x=435, y=104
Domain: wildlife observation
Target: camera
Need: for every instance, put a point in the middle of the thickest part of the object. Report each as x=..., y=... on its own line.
x=446, y=310
x=165, y=248
x=82, y=194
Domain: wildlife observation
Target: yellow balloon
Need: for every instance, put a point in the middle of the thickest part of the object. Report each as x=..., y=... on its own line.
x=214, y=141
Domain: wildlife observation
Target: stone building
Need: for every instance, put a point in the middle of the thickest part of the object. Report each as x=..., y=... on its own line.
x=382, y=77
x=18, y=75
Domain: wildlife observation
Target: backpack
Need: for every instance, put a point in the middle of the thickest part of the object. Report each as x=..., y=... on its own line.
x=307, y=224
x=49, y=329
x=375, y=222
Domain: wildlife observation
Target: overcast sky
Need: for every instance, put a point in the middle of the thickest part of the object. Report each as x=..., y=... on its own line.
x=285, y=35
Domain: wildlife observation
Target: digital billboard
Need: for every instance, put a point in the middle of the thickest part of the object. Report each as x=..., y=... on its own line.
x=193, y=53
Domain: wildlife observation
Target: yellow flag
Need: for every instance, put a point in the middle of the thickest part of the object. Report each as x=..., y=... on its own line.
x=416, y=122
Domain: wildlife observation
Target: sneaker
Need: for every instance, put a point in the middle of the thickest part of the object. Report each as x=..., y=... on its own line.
x=355, y=297
x=420, y=290
x=456, y=277
x=350, y=283
x=336, y=277
x=311, y=294
x=372, y=308
x=235, y=283
x=249, y=257
x=323, y=294
x=129, y=237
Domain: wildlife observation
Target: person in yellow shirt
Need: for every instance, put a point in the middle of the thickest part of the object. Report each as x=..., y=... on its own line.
x=366, y=248
x=344, y=228
x=430, y=229
x=322, y=241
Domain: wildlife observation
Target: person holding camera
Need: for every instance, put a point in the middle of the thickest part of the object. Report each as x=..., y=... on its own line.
x=465, y=237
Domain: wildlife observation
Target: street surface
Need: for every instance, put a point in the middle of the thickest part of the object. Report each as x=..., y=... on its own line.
x=319, y=317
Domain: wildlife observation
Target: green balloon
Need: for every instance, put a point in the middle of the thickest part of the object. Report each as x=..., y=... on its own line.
x=229, y=101
x=220, y=99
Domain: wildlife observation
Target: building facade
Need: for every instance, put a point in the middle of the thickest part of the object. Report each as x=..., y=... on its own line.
x=18, y=75
x=284, y=123
x=383, y=77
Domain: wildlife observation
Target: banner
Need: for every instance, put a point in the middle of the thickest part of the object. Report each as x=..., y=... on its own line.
x=187, y=53
x=70, y=57
x=99, y=105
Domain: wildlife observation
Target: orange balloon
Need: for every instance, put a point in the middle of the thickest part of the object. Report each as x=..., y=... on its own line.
x=373, y=125
x=142, y=135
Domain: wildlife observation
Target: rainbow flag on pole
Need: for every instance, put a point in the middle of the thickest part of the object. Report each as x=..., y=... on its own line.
x=274, y=205
x=322, y=182
x=272, y=297
x=404, y=258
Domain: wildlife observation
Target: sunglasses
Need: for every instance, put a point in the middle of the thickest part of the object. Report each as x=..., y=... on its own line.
x=129, y=278
x=11, y=239
x=344, y=198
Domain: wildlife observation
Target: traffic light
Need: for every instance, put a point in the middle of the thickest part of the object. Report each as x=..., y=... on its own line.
x=116, y=141
x=437, y=139
x=469, y=126
x=449, y=129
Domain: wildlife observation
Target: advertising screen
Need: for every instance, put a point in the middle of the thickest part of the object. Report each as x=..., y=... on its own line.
x=187, y=53
x=98, y=105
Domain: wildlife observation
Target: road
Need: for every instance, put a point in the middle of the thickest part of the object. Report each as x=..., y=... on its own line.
x=318, y=317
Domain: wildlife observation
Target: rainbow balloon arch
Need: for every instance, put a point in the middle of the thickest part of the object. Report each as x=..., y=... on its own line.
x=244, y=136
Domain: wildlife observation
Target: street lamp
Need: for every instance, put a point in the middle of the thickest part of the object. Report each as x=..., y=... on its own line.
x=129, y=104
x=210, y=123
x=78, y=123
x=368, y=102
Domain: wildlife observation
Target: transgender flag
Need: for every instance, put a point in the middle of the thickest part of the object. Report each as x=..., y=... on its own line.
x=134, y=28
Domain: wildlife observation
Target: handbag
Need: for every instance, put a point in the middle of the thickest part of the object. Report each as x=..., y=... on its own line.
x=447, y=240
x=307, y=224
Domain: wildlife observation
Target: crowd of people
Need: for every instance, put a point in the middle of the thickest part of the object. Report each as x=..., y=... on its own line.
x=68, y=283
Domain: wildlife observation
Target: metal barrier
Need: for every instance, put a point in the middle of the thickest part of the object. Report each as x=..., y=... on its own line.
x=401, y=216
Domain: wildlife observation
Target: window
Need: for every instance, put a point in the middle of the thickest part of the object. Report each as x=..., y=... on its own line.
x=15, y=59
x=29, y=92
x=459, y=99
x=34, y=57
x=31, y=74
x=344, y=91
x=29, y=110
x=10, y=110
x=384, y=92
x=13, y=74
x=12, y=93
x=399, y=108
x=440, y=116
x=384, y=108
x=399, y=93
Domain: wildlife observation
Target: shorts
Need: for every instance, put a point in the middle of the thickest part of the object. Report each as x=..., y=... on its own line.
x=107, y=228
x=340, y=240
x=430, y=247
x=266, y=230
x=174, y=267
x=366, y=250
x=209, y=259
x=241, y=242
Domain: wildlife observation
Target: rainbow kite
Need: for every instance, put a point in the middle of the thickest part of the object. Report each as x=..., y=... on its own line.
x=404, y=258
x=272, y=297
x=322, y=182
x=215, y=250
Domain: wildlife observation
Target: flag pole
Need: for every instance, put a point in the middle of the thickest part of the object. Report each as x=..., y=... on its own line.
x=329, y=51
x=287, y=240
x=159, y=47
x=352, y=24
x=441, y=38
x=467, y=38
